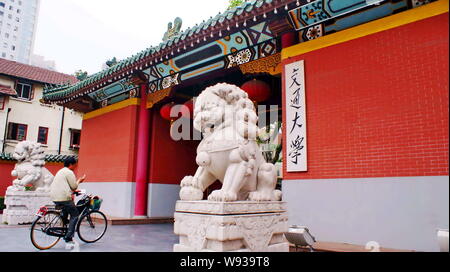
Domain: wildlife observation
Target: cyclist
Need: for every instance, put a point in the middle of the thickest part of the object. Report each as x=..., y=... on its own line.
x=61, y=190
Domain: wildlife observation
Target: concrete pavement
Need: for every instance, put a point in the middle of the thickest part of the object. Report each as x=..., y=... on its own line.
x=126, y=238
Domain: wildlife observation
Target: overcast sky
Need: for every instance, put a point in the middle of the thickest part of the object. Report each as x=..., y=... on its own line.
x=83, y=34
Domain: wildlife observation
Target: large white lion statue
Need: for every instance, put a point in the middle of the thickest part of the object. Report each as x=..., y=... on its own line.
x=229, y=152
x=29, y=169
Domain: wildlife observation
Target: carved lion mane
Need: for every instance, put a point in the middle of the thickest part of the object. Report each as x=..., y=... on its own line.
x=30, y=168
x=217, y=104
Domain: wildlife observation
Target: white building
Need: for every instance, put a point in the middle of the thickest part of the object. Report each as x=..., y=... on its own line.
x=40, y=61
x=18, y=21
x=24, y=117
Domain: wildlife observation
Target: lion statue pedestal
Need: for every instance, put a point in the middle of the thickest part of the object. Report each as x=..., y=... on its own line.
x=22, y=205
x=239, y=226
x=246, y=213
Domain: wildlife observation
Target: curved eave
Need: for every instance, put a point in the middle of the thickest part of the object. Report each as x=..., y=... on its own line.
x=231, y=21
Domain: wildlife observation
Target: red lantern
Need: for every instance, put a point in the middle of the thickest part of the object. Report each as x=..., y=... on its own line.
x=257, y=90
x=165, y=111
x=188, y=110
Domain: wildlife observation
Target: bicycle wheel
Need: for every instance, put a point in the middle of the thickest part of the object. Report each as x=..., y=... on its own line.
x=92, y=226
x=40, y=239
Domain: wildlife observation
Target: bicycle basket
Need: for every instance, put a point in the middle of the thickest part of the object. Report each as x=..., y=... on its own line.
x=83, y=201
x=96, y=202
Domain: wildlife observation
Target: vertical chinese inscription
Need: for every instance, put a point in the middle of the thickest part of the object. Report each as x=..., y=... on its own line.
x=295, y=128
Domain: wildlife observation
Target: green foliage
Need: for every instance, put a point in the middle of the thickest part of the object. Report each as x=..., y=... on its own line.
x=235, y=3
x=81, y=75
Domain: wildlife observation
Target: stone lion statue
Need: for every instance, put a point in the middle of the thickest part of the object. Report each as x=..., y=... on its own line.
x=229, y=152
x=30, y=168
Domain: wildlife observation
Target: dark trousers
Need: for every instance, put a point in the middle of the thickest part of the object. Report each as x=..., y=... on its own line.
x=68, y=207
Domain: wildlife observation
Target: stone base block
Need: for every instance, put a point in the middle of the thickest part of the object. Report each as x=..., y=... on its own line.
x=22, y=206
x=243, y=226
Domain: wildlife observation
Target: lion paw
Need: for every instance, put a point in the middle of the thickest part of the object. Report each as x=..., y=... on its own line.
x=189, y=193
x=189, y=181
x=222, y=196
x=274, y=195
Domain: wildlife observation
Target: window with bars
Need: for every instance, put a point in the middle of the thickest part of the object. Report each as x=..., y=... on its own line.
x=17, y=132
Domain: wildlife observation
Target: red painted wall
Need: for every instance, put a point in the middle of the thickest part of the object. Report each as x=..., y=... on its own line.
x=5, y=173
x=170, y=160
x=5, y=176
x=378, y=106
x=107, y=147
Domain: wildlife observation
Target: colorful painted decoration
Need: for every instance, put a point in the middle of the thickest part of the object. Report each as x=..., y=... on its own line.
x=233, y=50
x=315, y=19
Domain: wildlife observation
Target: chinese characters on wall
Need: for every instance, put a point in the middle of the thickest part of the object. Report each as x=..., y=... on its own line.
x=296, y=160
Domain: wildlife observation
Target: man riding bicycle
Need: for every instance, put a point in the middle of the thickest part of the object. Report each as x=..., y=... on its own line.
x=61, y=191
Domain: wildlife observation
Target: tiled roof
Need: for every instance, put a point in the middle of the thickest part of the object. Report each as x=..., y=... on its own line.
x=244, y=12
x=48, y=158
x=7, y=90
x=16, y=69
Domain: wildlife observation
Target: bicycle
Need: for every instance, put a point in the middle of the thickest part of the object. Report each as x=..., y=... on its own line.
x=49, y=226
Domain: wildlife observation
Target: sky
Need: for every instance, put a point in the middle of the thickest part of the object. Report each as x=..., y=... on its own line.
x=83, y=34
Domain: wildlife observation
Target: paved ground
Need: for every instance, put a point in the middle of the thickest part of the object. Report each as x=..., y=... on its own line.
x=133, y=238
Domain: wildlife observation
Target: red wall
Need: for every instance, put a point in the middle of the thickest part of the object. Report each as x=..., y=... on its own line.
x=170, y=160
x=5, y=176
x=5, y=173
x=378, y=106
x=107, y=148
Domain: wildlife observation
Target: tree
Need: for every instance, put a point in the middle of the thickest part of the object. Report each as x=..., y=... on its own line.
x=81, y=75
x=235, y=3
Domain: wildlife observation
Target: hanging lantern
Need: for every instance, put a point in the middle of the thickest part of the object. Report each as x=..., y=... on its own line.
x=188, y=110
x=165, y=112
x=257, y=90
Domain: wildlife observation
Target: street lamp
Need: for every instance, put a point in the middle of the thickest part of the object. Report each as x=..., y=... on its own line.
x=300, y=236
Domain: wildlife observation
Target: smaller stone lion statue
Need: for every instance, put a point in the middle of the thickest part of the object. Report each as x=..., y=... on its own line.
x=229, y=151
x=29, y=169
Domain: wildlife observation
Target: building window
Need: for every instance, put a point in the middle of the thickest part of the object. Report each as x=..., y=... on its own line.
x=2, y=102
x=75, y=136
x=42, y=135
x=17, y=132
x=2, y=4
x=24, y=91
